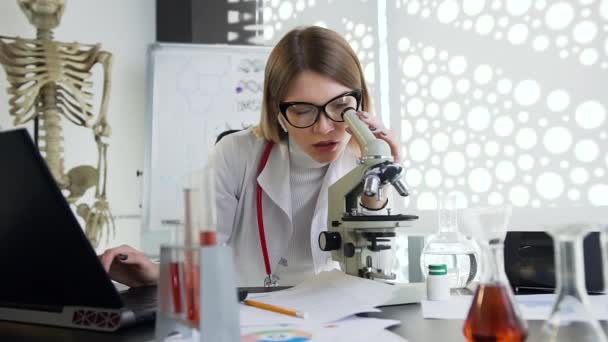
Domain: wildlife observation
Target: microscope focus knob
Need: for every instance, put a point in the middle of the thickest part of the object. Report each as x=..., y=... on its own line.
x=329, y=241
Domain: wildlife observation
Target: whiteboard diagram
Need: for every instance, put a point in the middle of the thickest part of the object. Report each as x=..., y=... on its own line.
x=196, y=92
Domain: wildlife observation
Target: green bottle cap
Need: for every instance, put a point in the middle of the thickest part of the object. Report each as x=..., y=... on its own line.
x=438, y=269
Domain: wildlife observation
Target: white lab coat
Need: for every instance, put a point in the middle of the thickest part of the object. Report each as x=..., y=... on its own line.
x=236, y=158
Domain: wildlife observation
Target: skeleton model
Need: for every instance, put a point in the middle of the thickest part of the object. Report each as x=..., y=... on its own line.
x=50, y=80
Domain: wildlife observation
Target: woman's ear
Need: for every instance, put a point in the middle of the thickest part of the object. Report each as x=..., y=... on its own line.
x=282, y=123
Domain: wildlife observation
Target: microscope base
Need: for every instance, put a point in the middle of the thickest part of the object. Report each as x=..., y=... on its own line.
x=408, y=293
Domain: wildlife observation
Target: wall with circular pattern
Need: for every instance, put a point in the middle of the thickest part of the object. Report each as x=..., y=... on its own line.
x=501, y=101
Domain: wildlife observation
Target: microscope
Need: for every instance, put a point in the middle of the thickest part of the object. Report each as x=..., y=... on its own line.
x=356, y=240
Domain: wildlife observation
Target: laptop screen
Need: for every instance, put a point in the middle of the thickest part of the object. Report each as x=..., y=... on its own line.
x=46, y=260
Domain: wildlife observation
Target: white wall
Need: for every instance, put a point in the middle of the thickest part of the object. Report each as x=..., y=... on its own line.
x=124, y=28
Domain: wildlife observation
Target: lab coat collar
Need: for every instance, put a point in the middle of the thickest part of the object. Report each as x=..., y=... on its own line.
x=274, y=179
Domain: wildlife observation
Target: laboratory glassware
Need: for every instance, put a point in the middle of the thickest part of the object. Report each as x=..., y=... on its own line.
x=572, y=317
x=450, y=247
x=493, y=315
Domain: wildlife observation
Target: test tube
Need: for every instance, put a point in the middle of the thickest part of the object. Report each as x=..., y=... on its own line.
x=200, y=224
x=200, y=212
x=175, y=266
x=191, y=273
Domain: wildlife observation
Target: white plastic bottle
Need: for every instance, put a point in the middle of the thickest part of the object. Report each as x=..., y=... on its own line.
x=438, y=283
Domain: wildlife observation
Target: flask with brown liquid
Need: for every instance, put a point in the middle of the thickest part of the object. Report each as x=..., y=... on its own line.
x=493, y=315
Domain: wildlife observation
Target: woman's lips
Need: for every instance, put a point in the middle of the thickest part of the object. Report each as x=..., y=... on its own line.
x=326, y=146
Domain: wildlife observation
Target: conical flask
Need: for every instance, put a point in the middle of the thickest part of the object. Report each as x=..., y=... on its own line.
x=493, y=315
x=572, y=318
x=450, y=247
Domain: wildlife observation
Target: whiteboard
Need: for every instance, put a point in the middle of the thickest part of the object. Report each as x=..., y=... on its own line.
x=195, y=93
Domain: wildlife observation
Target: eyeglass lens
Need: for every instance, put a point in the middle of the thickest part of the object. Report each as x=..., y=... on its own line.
x=304, y=115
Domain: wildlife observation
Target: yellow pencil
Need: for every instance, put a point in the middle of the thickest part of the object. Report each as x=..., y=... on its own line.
x=273, y=308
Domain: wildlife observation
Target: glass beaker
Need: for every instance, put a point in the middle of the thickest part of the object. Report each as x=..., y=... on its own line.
x=571, y=318
x=493, y=315
x=450, y=247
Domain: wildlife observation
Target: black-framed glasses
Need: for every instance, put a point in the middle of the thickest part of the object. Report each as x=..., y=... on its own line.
x=304, y=114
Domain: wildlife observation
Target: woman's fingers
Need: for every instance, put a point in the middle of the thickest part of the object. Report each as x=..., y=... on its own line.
x=129, y=266
x=379, y=130
x=371, y=120
x=108, y=257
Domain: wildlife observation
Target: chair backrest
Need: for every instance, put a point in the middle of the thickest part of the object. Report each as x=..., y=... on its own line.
x=225, y=133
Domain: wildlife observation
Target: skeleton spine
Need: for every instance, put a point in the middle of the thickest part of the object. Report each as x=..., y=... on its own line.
x=51, y=137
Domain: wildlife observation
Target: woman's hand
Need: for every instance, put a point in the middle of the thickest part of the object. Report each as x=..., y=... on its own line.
x=129, y=266
x=380, y=131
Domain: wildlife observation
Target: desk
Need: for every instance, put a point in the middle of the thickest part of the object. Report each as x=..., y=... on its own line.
x=18, y=332
x=413, y=327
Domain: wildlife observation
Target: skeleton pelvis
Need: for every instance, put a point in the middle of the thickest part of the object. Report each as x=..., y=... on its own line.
x=81, y=179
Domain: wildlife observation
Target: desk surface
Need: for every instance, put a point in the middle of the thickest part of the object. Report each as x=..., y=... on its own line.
x=413, y=327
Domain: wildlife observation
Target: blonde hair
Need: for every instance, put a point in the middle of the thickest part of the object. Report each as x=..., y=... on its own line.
x=310, y=48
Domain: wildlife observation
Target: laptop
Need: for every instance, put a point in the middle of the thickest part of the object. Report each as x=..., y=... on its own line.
x=49, y=272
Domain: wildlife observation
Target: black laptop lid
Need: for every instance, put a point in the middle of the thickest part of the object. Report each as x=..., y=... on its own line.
x=46, y=260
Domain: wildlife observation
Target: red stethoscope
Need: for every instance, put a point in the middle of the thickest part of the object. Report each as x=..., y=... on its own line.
x=268, y=281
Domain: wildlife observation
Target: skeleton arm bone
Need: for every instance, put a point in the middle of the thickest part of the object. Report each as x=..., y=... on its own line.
x=100, y=215
x=105, y=58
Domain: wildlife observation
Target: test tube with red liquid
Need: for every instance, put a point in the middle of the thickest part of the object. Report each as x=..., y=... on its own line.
x=200, y=223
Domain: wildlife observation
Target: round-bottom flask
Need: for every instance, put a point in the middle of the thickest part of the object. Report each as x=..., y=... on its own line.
x=450, y=247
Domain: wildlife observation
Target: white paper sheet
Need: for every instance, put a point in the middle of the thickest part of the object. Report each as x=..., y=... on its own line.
x=352, y=329
x=387, y=336
x=327, y=297
x=532, y=307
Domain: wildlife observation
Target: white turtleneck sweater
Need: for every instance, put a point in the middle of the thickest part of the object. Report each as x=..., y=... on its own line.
x=306, y=177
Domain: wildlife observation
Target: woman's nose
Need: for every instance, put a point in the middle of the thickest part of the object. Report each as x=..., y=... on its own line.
x=323, y=125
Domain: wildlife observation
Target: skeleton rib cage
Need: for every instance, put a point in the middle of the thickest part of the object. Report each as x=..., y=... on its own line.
x=31, y=64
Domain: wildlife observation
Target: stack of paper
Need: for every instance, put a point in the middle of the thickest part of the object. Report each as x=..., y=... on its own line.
x=330, y=300
x=327, y=297
x=353, y=329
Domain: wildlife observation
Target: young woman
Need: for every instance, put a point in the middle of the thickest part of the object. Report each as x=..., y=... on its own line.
x=300, y=147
